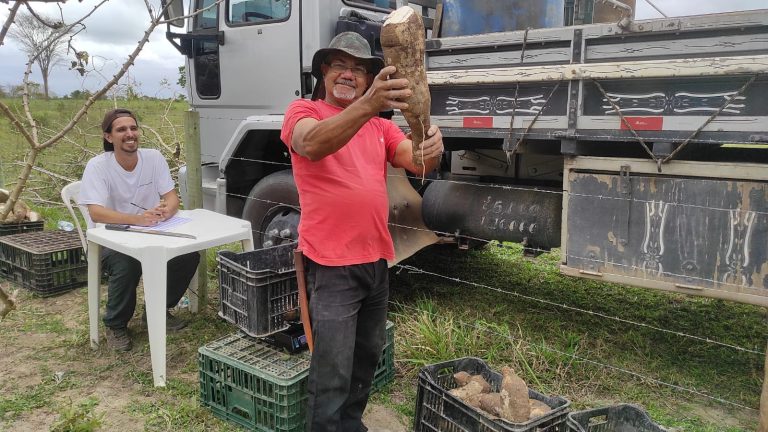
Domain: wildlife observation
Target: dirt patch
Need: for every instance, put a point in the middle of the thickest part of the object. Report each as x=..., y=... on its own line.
x=382, y=419
x=47, y=366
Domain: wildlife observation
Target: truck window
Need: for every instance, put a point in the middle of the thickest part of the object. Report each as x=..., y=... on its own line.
x=207, y=69
x=206, y=52
x=385, y=4
x=257, y=11
x=208, y=18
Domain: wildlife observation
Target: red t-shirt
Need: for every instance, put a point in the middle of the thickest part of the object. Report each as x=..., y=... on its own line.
x=343, y=197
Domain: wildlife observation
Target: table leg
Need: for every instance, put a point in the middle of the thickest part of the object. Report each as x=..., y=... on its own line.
x=154, y=271
x=247, y=244
x=94, y=291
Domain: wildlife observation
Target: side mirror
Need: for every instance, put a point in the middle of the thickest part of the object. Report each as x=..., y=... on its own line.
x=173, y=12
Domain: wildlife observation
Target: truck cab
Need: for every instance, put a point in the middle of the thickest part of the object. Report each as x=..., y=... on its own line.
x=636, y=147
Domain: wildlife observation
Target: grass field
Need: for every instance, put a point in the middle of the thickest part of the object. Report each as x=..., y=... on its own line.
x=695, y=364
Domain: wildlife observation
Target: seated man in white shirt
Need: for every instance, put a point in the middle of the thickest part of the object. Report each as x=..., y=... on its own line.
x=128, y=185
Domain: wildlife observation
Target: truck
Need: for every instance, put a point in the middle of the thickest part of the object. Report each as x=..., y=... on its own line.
x=637, y=147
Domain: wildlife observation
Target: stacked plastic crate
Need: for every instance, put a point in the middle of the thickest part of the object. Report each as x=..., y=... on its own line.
x=258, y=376
x=44, y=262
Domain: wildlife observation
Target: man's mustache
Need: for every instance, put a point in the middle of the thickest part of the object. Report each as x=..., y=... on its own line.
x=346, y=82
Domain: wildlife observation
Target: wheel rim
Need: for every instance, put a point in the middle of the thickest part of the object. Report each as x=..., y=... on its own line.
x=280, y=226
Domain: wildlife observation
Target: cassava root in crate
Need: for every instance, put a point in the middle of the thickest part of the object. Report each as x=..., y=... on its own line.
x=510, y=403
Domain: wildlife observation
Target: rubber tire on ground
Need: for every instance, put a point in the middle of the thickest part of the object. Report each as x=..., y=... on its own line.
x=271, y=194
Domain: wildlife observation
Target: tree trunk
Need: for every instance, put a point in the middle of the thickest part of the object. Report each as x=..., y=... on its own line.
x=45, y=84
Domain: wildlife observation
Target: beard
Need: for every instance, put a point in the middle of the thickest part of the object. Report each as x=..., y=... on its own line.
x=344, y=90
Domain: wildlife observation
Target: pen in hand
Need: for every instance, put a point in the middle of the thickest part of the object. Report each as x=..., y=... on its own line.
x=154, y=212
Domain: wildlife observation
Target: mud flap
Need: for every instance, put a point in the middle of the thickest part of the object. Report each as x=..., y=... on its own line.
x=405, y=222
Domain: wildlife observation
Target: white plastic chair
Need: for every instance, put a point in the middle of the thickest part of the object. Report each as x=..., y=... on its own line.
x=69, y=195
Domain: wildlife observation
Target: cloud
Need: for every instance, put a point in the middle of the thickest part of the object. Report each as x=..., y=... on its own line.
x=111, y=34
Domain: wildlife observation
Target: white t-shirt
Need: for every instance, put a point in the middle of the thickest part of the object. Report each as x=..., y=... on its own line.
x=107, y=184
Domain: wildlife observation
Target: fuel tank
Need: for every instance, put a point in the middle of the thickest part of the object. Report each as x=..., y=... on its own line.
x=494, y=212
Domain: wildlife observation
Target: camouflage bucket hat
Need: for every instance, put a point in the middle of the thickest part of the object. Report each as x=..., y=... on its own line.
x=351, y=43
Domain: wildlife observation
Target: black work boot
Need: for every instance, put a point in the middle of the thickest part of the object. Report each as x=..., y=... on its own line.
x=172, y=323
x=118, y=339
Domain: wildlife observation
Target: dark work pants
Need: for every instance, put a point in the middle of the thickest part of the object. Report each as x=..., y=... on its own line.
x=348, y=309
x=124, y=273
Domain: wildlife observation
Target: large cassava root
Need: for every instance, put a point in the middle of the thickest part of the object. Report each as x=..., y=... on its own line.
x=510, y=403
x=402, y=40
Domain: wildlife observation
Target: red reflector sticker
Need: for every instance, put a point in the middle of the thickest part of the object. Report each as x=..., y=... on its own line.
x=478, y=122
x=643, y=123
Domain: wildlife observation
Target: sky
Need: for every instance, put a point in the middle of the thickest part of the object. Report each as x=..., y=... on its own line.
x=113, y=30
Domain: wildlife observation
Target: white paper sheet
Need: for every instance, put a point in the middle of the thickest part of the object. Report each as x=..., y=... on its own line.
x=169, y=224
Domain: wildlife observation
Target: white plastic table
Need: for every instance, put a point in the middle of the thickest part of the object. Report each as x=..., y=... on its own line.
x=154, y=251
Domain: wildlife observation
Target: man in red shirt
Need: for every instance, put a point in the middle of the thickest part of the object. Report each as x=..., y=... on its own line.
x=339, y=151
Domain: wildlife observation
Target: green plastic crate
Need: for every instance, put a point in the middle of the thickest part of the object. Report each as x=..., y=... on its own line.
x=385, y=370
x=247, y=381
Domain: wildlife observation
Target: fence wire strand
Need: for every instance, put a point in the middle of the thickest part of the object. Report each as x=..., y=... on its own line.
x=602, y=365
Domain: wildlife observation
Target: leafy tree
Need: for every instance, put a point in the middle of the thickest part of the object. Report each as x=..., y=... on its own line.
x=182, y=81
x=42, y=39
x=33, y=90
x=80, y=94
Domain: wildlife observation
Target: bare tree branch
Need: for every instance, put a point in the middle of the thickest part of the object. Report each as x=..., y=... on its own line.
x=9, y=21
x=127, y=64
x=43, y=21
x=16, y=123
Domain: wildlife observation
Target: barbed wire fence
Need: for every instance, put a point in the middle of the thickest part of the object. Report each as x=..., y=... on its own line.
x=756, y=352
x=71, y=159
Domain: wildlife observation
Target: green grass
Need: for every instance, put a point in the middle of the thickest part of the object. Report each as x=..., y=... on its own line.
x=587, y=358
x=492, y=303
x=78, y=417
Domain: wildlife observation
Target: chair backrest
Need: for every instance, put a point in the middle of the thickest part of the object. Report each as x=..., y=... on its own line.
x=69, y=195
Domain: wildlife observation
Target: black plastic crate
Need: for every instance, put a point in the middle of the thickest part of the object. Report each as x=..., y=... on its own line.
x=45, y=262
x=438, y=410
x=257, y=288
x=20, y=227
x=617, y=418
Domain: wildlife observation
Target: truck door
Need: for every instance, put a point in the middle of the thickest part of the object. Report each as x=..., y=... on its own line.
x=260, y=59
x=255, y=59
x=246, y=61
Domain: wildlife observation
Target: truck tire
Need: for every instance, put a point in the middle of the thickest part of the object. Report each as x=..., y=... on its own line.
x=272, y=208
